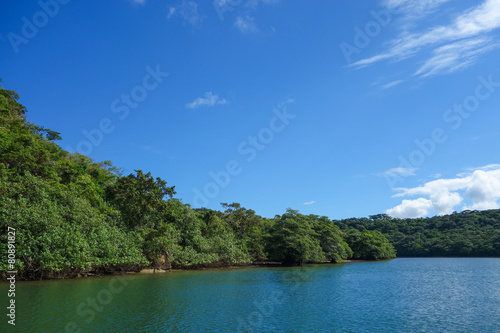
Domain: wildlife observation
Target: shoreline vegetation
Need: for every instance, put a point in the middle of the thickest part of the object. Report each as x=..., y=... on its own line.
x=70, y=216
x=253, y=265
x=152, y=270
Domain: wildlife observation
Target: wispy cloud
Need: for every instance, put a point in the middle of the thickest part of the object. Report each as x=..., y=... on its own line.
x=413, y=10
x=187, y=11
x=455, y=56
x=392, y=84
x=457, y=44
x=254, y=3
x=139, y=2
x=209, y=100
x=488, y=167
x=309, y=203
x=398, y=172
x=477, y=189
x=245, y=24
x=470, y=170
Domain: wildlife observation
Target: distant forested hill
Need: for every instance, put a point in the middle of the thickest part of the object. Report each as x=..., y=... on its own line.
x=467, y=234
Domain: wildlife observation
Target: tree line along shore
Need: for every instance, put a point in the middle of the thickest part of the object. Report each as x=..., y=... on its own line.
x=73, y=217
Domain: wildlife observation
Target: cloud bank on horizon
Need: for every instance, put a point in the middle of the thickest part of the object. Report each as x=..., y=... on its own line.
x=477, y=189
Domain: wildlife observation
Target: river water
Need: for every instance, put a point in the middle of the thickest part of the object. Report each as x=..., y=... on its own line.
x=401, y=295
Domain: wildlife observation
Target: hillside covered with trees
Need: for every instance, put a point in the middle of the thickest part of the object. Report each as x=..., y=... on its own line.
x=73, y=216
x=466, y=234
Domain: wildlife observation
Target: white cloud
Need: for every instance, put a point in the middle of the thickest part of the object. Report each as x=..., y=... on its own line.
x=392, y=84
x=411, y=5
x=221, y=3
x=444, y=201
x=411, y=208
x=398, y=172
x=249, y=3
x=245, y=24
x=187, y=11
x=485, y=167
x=481, y=190
x=139, y=2
x=431, y=187
x=208, y=100
x=484, y=189
x=455, y=56
x=413, y=9
x=309, y=203
x=458, y=44
x=470, y=170
x=254, y=3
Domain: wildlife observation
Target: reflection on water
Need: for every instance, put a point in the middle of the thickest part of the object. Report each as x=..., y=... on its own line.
x=403, y=295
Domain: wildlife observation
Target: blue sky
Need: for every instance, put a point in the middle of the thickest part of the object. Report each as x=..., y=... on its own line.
x=338, y=108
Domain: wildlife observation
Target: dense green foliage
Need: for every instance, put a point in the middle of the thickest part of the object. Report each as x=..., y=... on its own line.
x=369, y=245
x=296, y=238
x=74, y=216
x=466, y=234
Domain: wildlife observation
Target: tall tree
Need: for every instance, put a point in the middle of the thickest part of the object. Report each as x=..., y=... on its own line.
x=293, y=240
x=140, y=198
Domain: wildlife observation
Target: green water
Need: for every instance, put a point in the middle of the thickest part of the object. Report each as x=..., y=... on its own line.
x=401, y=295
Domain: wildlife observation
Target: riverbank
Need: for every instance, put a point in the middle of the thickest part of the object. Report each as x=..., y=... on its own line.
x=253, y=265
x=150, y=270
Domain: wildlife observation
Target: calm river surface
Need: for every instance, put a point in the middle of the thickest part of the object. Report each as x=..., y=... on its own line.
x=401, y=295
